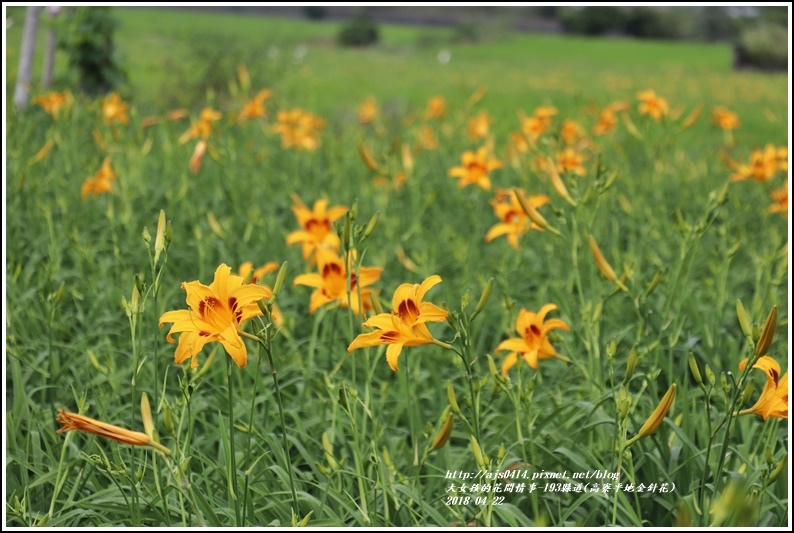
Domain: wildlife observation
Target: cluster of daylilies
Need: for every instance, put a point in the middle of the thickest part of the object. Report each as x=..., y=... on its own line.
x=559, y=150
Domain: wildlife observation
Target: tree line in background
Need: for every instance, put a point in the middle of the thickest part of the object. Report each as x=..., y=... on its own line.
x=760, y=37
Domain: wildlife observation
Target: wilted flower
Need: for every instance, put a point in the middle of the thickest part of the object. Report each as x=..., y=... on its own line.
x=74, y=422
x=475, y=169
x=177, y=114
x=216, y=313
x=197, y=157
x=533, y=343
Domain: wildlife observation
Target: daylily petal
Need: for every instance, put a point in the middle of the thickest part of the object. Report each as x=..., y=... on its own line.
x=234, y=345
x=392, y=354
x=514, y=345
x=509, y=362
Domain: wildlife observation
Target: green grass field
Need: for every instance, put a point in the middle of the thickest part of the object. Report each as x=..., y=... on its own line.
x=307, y=433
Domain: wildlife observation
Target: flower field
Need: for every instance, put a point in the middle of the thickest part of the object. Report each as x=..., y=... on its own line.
x=393, y=287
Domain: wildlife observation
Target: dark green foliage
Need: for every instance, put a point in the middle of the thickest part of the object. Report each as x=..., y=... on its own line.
x=763, y=46
x=595, y=20
x=361, y=31
x=648, y=22
x=86, y=35
x=314, y=12
x=466, y=32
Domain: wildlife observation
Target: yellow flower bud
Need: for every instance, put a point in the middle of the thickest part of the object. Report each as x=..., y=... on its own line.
x=443, y=436
x=744, y=320
x=603, y=265
x=533, y=213
x=479, y=458
x=693, y=367
x=768, y=334
x=146, y=416
x=159, y=239
x=453, y=401
x=656, y=417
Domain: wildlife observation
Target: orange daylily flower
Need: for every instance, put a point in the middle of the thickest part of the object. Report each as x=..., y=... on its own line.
x=197, y=157
x=255, y=107
x=74, y=422
x=544, y=114
x=148, y=122
x=478, y=126
x=407, y=303
x=653, y=105
x=570, y=131
x=216, y=313
x=571, y=161
x=101, y=182
x=330, y=283
x=427, y=138
x=299, y=129
x=774, y=398
x=780, y=199
x=316, y=224
x=258, y=274
x=533, y=343
x=202, y=127
x=405, y=325
x=367, y=111
x=513, y=218
x=436, y=107
x=762, y=166
x=533, y=127
x=114, y=109
x=518, y=142
x=725, y=119
x=475, y=169
x=177, y=114
x=782, y=158
x=53, y=102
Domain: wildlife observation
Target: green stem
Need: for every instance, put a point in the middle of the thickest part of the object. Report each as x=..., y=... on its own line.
x=706, y=464
x=287, y=462
x=250, y=427
x=232, y=460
